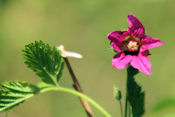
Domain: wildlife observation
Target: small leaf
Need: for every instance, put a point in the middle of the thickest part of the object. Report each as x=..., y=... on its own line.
x=13, y=93
x=44, y=60
x=164, y=104
x=117, y=94
x=135, y=94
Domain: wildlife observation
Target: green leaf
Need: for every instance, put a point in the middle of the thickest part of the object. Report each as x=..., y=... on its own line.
x=44, y=60
x=13, y=93
x=164, y=104
x=135, y=94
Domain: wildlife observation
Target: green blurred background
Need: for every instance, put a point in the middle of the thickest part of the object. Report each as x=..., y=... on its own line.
x=82, y=26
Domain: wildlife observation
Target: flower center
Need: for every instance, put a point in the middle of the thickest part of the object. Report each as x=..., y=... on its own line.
x=132, y=46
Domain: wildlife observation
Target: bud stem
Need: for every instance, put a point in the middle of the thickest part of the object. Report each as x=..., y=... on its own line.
x=121, y=108
x=77, y=87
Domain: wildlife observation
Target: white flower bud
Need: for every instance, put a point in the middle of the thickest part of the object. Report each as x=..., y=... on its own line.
x=65, y=53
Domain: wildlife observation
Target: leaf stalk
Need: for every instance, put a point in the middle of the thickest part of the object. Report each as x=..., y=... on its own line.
x=76, y=93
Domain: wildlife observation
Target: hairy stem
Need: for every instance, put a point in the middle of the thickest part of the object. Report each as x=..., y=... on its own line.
x=66, y=90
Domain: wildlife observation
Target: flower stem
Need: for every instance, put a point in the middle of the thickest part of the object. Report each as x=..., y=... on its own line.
x=130, y=111
x=129, y=90
x=126, y=99
x=77, y=87
x=126, y=106
x=66, y=90
x=6, y=113
x=121, y=108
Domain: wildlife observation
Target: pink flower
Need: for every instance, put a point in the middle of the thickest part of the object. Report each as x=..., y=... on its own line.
x=133, y=46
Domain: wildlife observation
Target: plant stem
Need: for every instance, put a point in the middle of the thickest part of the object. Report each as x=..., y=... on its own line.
x=126, y=99
x=6, y=113
x=77, y=87
x=121, y=108
x=130, y=87
x=66, y=90
x=126, y=107
x=130, y=111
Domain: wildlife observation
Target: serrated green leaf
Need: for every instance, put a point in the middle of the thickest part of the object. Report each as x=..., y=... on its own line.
x=44, y=60
x=164, y=104
x=135, y=94
x=13, y=93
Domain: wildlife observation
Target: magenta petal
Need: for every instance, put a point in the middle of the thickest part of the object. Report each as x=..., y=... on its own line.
x=150, y=42
x=121, y=60
x=136, y=29
x=142, y=63
x=140, y=32
x=116, y=39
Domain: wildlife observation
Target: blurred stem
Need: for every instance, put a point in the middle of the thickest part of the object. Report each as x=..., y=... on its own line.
x=66, y=90
x=130, y=111
x=77, y=87
x=7, y=113
x=121, y=108
x=126, y=99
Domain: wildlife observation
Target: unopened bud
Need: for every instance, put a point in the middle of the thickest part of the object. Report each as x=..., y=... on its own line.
x=117, y=94
x=65, y=53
